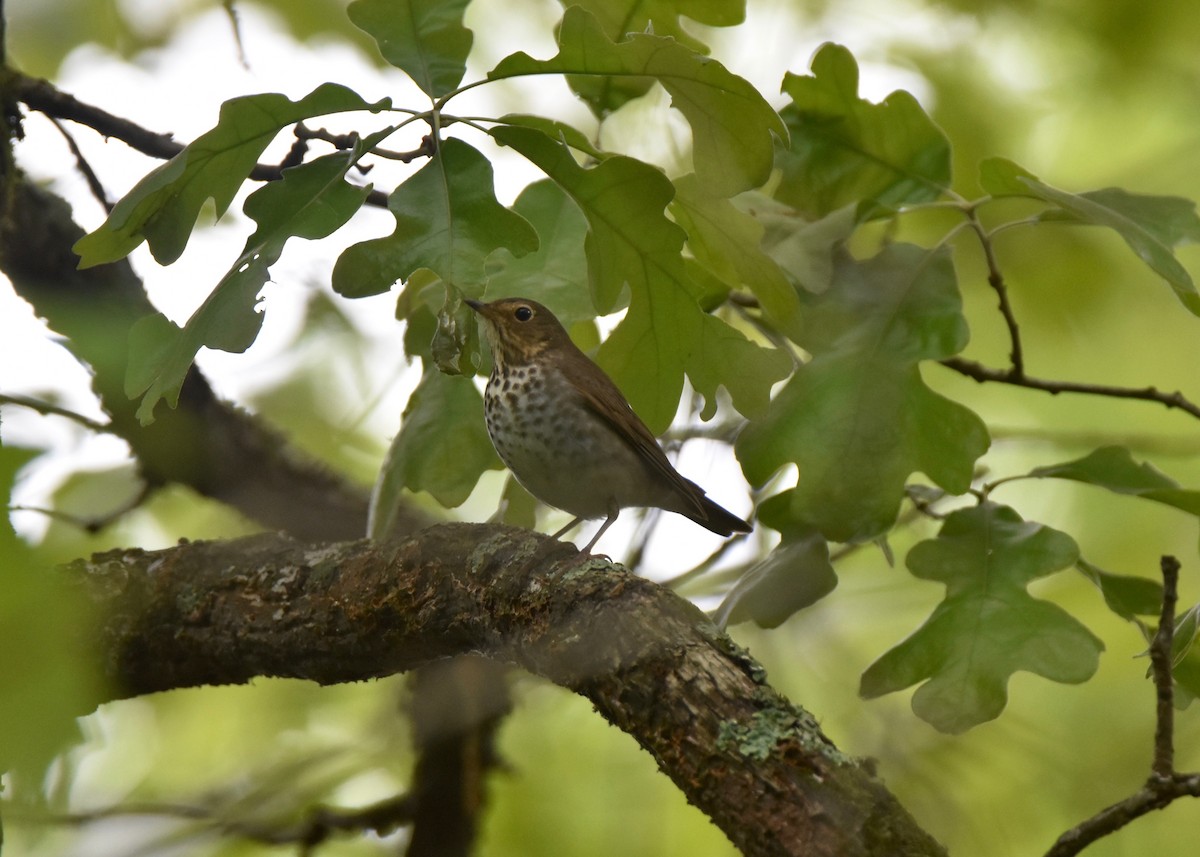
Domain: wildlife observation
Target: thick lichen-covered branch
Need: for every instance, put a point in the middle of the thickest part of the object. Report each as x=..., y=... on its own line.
x=653, y=665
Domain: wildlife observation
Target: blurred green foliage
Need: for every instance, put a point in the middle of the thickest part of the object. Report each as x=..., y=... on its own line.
x=1085, y=95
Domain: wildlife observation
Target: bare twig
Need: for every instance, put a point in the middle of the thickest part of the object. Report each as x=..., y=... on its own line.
x=94, y=524
x=1164, y=784
x=996, y=281
x=48, y=409
x=349, y=141
x=89, y=175
x=44, y=97
x=982, y=373
x=1160, y=660
x=680, y=580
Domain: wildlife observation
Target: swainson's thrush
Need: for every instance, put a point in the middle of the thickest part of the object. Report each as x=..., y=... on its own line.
x=566, y=432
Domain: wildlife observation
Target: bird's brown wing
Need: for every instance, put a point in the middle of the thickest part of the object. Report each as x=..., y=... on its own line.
x=603, y=397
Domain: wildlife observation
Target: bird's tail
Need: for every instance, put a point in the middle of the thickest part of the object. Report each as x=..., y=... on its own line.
x=718, y=519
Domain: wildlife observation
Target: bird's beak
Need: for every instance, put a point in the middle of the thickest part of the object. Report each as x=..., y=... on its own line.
x=475, y=305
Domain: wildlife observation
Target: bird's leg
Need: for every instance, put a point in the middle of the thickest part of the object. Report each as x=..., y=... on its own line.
x=575, y=523
x=613, y=511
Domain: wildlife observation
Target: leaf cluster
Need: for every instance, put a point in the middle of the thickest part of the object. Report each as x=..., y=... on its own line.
x=767, y=271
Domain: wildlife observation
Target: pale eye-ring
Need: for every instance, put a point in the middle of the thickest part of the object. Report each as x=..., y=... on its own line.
x=523, y=313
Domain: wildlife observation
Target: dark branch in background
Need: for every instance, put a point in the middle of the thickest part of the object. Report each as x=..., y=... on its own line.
x=996, y=281
x=650, y=662
x=983, y=374
x=1164, y=785
x=93, y=182
x=457, y=707
x=47, y=408
x=44, y=97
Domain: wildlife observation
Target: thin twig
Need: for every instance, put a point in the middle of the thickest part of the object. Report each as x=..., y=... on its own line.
x=48, y=409
x=1164, y=785
x=983, y=373
x=679, y=580
x=1160, y=660
x=44, y=97
x=89, y=175
x=996, y=281
x=349, y=141
x=92, y=525
x=647, y=525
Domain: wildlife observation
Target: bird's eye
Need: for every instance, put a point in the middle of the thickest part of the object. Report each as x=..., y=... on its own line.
x=523, y=313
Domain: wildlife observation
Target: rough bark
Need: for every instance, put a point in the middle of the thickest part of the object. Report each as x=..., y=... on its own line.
x=653, y=665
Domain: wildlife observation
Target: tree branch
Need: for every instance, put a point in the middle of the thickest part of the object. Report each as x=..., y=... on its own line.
x=982, y=374
x=996, y=281
x=44, y=97
x=1164, y=785
x=651, y=663
x=1161, y=658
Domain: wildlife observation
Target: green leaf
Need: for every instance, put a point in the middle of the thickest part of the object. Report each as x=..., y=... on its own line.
x=846, y=150
x=556, y=273
x=424, y=456
x=620, y=18
x=417, y=305
x=425, y=39
x=732, y=124
x=728, y=243
x=665, y=334
x=46, y=685
x=805, y=250
x=623, y=201
x=12, y=459
x=1113, y=467
x=447, y=220
x=1125, y=595
x=858, y=419
x=1185, y=657
x=162, y=208
x=795, y=575
x=311, y=201
x=1150, y=225
x=556, y=130
x=988, y=626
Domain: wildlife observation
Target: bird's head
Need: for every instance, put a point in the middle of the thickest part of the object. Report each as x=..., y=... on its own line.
x=518, y=330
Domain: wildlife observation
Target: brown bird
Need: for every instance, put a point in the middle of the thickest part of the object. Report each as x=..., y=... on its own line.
x=566, y=432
